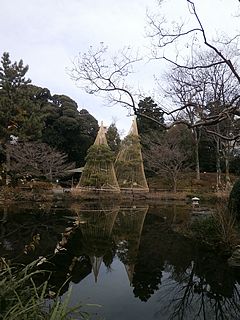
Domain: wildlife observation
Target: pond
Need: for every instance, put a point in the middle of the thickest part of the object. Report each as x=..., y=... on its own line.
x=126, y=257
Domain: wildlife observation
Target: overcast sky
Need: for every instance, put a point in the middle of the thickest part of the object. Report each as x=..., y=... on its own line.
x=48, y=34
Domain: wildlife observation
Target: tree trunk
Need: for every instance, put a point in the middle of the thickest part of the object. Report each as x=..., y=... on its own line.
x=197, y=162
x=227, y=170
x=196, y=146
x=218, y=166
x=228, y=180
x=174, y=184
x=50, y=174
x=7, y=166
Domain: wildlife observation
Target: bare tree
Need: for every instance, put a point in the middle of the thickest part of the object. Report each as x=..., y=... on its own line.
x=164, y=36
x=201, y=96
x=170, y=154
x=100, y=74
x=36, y=159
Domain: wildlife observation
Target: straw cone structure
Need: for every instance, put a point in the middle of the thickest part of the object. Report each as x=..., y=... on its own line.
x=99, y=173
x=129, y=163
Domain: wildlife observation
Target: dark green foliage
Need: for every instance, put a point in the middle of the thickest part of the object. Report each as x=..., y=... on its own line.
x=69, y=130
x=97, y=153
x=207, y=154
x=13, y=108
x=113, y=138
x=12, y=75
x=98, y=169
x=150, y=109
x=234, y=200
x=148, y=129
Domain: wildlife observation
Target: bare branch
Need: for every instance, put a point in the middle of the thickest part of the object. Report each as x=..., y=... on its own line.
x=96, y=73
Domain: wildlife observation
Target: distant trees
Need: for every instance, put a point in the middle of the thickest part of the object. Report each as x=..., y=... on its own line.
x=205, y=96
x=29, y=113
x=170, y=154
x=67, y=129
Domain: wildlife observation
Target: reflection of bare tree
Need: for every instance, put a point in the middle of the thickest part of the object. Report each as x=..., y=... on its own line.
x=202, y=292
x=68, y=263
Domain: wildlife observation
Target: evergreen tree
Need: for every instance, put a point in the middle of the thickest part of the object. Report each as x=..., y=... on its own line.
x=113, y=138
x=12, y=79
x=148, y=108
x=67, y=129
x=12, y=75
x=148, y=129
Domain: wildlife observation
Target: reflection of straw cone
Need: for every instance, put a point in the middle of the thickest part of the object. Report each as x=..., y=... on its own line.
x=97, y=223
x=96, y=231
x=96, y=264
x=130, y=272
x=131, y=221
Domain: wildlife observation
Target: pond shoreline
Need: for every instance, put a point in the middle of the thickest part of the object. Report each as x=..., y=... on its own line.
x=52, y=193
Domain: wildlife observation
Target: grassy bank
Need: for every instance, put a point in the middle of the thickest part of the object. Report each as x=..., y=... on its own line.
x=160, y=189
x=217, y=232
x=22, y=298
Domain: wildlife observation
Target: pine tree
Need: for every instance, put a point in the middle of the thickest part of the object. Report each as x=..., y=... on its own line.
x=12, y=79
x=113, y=138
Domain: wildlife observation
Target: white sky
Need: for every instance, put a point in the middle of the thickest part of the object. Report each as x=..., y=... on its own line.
x=48, y=34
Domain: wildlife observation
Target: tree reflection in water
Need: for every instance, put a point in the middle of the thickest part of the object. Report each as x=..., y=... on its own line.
x=206, y=289
x=188, y=283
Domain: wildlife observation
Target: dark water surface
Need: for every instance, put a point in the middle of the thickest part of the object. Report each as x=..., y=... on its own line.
x=128, y=258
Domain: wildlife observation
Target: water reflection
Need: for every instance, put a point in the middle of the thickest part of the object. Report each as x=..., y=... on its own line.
x=169, y=277
x=26, y=234
x=127, y=235
x=95, y=225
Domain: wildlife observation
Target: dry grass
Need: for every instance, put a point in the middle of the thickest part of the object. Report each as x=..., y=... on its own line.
x=187, y=182
x=226, y=226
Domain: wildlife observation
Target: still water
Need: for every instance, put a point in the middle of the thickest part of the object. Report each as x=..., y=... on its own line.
x=128, y=258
